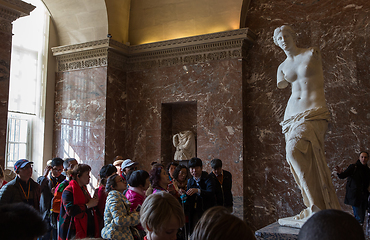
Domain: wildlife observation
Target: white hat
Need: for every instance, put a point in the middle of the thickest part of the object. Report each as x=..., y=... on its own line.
x=127, y=163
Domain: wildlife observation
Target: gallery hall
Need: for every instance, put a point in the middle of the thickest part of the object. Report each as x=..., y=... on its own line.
x=124, y=77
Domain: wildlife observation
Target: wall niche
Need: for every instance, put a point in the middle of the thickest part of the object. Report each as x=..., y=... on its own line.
x=176, y=117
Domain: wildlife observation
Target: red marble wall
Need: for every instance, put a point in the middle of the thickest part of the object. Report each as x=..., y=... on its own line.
x=5, y=53
x=116, y=119
x=341, y=30
x=215, y=86
x=80, y=116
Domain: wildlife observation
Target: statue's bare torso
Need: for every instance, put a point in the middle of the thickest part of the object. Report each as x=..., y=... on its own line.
x=304, y=72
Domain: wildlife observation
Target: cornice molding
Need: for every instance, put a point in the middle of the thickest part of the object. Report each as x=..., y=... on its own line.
x=190, y=50
x=13, y=9
x=6, y=26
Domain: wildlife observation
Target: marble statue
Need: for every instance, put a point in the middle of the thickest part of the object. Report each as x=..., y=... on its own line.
x=304, y=126
x=185, y=145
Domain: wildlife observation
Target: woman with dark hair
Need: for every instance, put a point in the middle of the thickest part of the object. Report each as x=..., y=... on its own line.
x=170, y=169
x=159, y=179
x=117, y=216
x=105, y=172
x=139, y=183
x=180, y=178
x=78, y=218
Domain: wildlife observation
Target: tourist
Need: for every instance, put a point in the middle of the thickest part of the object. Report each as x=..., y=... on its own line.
x=200, y=191
x=23, y=188
x=51, y=178
x=117, y=215
x=223, y=184
x=126, y=166
x=20, y=221
x=68, y=165
x=218, y=224
x=160, y=181
x=78, y=218
x=170, y=169
x=161, y=216
x=358, y=179
x=138, y=184
x=331, y=224
x=180, y=178
x=105, y=172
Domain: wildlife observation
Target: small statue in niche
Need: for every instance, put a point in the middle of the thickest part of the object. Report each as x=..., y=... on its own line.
x=185, y=145
x=305, y=124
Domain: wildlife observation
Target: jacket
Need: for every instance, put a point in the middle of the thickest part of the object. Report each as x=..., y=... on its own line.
x=134, y=198
x=46, y=185
x=358, y=179
x=117, y=217
x=13, y=193
x=206, y=199
x=224, y=197
x=72, y=214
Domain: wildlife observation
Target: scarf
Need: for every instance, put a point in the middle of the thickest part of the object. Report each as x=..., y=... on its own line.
x=81, y=219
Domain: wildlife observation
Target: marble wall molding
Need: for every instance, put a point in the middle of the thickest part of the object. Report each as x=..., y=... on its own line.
x=190, y=50
x=81, y=60
x=6, y=26
x=14, y=9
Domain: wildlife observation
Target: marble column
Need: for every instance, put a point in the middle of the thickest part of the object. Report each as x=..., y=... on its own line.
x=10, y=10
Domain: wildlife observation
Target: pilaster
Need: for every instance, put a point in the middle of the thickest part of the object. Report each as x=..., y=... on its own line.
x=10, y=10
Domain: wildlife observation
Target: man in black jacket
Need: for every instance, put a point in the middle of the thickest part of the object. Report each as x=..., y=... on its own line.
x=23, y=188
x=51, y=178
x=358, y=179
x=200, y=192
x=223, y=184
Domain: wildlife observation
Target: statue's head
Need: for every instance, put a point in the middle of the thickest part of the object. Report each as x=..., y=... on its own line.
x=284, y=28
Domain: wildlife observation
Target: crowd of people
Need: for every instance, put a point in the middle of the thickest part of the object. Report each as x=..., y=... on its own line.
x=168, y=202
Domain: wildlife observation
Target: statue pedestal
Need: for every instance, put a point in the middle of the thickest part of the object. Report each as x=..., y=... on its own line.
x=276, y=232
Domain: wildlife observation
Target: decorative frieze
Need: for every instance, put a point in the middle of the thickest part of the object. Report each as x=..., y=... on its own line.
x=82, y=59
x=190, y=50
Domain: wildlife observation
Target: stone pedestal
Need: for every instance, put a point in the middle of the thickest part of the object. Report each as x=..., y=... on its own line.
x=10, y=10
x=276, y=232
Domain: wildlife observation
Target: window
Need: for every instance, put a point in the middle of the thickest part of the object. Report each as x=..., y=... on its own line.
x=18, y=139
x=26, y=86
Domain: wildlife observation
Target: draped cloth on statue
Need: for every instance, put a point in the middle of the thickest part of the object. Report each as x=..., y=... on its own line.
x=185, y=145
x=304, y=136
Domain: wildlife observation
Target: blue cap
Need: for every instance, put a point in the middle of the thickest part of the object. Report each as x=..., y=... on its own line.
x=21, y=164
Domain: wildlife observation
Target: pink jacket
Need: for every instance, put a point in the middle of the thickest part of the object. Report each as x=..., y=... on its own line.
x=135, y=199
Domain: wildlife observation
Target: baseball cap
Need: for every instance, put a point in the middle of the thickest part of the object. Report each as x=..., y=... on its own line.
x=21, y=164
x=128, y=163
